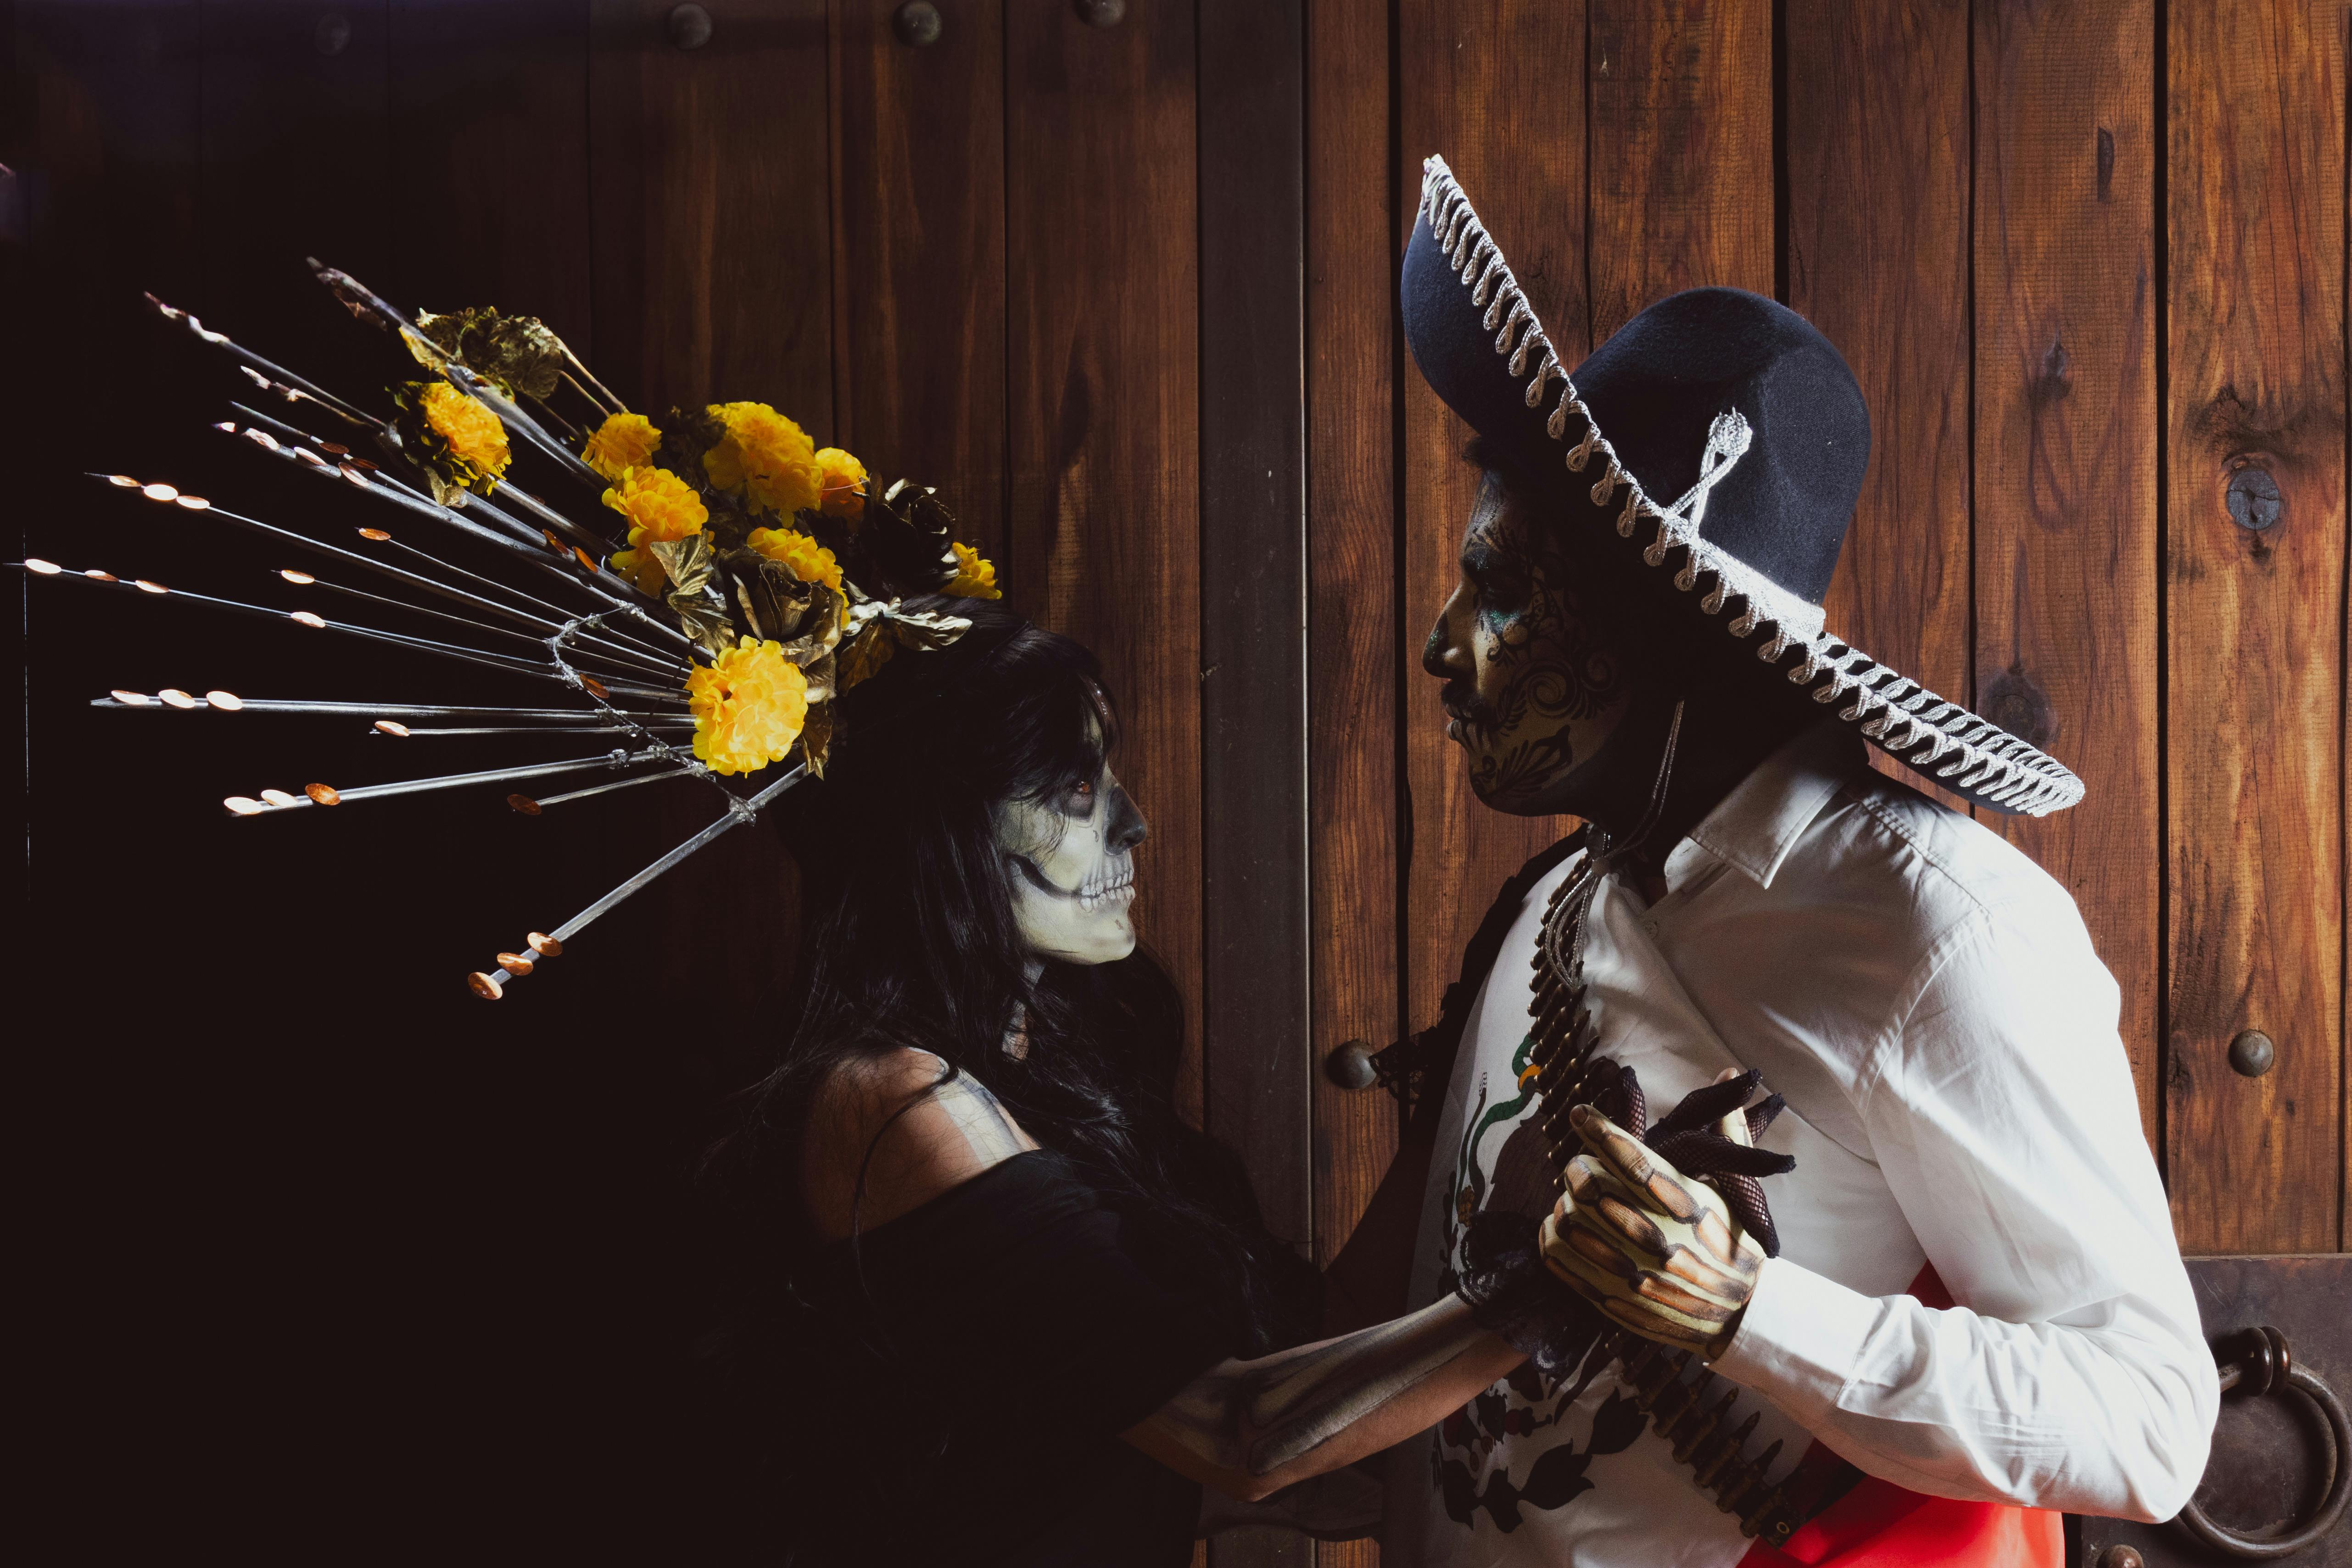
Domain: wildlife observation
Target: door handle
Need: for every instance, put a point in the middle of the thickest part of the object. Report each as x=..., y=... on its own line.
x=2256, y=1362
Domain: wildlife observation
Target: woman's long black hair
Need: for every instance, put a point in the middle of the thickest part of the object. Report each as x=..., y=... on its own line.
x=911, y=940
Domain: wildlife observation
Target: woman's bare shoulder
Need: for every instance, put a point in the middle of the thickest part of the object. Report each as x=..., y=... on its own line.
x=917, y=1131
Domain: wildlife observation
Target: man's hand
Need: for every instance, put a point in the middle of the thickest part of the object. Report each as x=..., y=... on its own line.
x=1658, y=1252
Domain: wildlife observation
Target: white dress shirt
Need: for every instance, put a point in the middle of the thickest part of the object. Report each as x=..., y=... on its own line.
x=1927, y=1000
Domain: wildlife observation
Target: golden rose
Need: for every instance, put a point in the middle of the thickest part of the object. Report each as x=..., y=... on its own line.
x=842, y=483
x=748, y=707
x=659, y=505
x=975, y=576
x=863, y=655
x=808, y=561
x=625, y=441
x=765, y=457
x=476, y=438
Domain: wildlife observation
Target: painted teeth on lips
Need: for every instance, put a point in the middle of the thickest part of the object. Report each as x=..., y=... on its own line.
x=1117, y=884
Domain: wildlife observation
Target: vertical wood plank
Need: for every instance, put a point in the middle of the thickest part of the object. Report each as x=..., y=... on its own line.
x=1254, y=625
x=712, y=259
x=99, y=131
x=2066, y=463
x=292, y=102
x=922, y=246
x=491, y=103
x=1102, y=405
x=713, y=251
x=1681, y=151
x=1254, y=601
x=2255, y=419
x=1354, y=642
x=1876, y=255
x=1500, y=93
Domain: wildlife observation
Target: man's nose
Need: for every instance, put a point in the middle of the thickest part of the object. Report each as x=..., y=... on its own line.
x=1127, y=828
x=1439, y=656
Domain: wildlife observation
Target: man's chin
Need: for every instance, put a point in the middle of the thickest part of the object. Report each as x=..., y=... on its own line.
x=1512, y=799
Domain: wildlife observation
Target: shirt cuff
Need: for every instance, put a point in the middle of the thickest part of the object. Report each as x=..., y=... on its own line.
x=1799, y=1340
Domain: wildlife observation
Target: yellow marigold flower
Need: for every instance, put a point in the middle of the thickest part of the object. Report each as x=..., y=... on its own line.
x=842, y=483
x=809, y=561
x=749, y=707
x=765, y=455
x=625, y=441
x=975, y=576
x=475, y=437
x=659, y=505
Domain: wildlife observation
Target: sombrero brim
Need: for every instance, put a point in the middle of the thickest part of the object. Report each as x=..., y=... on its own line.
x=1968, y=753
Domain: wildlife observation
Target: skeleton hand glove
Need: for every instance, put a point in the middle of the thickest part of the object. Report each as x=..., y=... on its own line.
x=1510, y=1293
x=1657, y=1252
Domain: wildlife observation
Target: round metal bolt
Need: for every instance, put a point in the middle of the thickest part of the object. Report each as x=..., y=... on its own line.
x=332, y=32
x=689, y=27
x=2121, y=1557
x=1351, y=1066
x=2253, y=499
x=2252, y=1054
x=1102, y=13
x=916, y=23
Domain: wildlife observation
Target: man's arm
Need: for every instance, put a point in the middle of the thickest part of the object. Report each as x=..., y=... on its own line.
x=2003, y=1117
x=1251, y=1428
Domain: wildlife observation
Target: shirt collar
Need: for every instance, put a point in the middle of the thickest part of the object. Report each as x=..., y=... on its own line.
x=1754, y=827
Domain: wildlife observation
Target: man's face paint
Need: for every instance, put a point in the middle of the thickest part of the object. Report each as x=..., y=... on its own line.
x=1532, y=686
x=1070, y=863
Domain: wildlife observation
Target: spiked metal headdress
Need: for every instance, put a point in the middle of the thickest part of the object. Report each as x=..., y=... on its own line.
x=1746, y=414
x=759, y=577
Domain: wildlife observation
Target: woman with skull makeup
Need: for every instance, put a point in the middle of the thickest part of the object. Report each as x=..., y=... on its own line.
x=997, y=1303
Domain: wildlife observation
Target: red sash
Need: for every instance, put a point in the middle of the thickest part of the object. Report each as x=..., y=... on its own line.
x=1881, y=1525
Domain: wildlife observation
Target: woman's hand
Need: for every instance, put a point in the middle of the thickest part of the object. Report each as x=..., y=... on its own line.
x=1658, y=1252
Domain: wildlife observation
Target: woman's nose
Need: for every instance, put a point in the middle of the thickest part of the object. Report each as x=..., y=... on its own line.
x=1127, y=828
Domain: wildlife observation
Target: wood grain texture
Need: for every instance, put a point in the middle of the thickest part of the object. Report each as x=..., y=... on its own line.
x=712, y=266
x=712, y=244
x=286, y=110
x=1681, y=98
x=2066, y=457
x=1498, y=93
x=1103, y=405
x=1353, y=641
x=491, y=102
x=1254, y=735
x=2254, y=687
x=921, y=204
x=1877, y=257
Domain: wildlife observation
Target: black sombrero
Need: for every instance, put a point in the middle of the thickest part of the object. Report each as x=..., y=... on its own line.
x=1742, y=409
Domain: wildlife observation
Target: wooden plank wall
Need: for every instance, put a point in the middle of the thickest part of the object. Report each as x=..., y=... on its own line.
x=1128, y=292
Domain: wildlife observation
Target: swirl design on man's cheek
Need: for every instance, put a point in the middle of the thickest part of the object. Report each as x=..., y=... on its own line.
x=1561, y=674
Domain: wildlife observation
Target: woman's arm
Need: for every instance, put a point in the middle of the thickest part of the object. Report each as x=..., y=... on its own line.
x=1247, y=1428
x=1251, y=1428
x=910, y=1136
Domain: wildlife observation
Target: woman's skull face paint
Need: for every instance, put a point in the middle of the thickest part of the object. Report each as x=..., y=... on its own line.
x=1070, y=864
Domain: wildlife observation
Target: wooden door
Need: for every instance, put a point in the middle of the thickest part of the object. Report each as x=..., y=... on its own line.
x=1121, y=278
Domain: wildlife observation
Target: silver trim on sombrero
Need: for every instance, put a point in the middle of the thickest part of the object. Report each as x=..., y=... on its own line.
x=1926, y=733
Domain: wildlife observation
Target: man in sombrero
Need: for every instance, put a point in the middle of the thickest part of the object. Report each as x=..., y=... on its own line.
x=1935, y=1302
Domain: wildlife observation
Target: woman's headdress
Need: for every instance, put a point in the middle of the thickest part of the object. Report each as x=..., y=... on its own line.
x=696, y=592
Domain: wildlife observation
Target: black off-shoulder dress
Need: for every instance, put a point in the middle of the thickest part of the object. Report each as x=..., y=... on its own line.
x=967, y=1368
